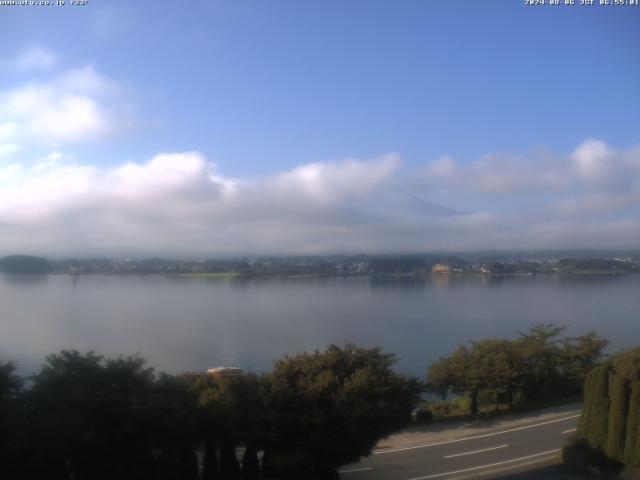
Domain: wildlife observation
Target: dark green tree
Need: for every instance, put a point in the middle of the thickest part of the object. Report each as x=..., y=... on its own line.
x=618, y=411
x=541, y=357
x=579, y=356
x=495, y=368
x=233, y=405
x=455, y=374
x=599, y=417
x=175, y=429
x=250, y=464
x=327, y=409
x=535, y=366
x=608, y=436
x=109, y=419
x=632, y=444
x=489, y=366
x=229, y=465
x=210, y=459
x=10, y=417
x=588, y=398
x=92, y=415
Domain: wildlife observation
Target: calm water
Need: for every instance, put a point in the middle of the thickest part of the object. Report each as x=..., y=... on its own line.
x=183, y=324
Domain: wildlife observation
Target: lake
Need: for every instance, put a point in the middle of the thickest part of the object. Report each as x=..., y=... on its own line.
x=190, y=324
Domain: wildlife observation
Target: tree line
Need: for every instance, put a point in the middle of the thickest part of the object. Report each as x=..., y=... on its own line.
x=83, y=416
x=87, y=417
x=540, y=364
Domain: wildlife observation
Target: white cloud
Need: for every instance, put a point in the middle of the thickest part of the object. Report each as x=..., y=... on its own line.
x=180, y=204
x=78, y=105
x=8, y=148
x=593, y=179
x=8, y=130
x=32, y=57
x=493, y=174
x=593, y=161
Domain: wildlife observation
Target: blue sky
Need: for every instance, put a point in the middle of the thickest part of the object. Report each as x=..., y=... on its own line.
x=482, y=105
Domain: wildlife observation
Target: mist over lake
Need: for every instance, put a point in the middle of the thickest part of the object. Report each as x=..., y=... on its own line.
x=190, y=324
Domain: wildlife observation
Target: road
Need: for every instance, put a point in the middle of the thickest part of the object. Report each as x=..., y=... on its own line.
x=477, y=456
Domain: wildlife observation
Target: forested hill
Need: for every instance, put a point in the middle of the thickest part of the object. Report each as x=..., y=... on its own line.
x=24, y=264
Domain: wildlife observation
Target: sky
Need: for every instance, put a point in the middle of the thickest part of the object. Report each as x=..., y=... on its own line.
x=215, y=128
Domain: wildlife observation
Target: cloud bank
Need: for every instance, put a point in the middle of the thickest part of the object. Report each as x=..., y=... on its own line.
x=181, y=204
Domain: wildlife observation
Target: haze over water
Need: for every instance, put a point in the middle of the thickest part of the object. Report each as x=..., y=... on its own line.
x=190, y=324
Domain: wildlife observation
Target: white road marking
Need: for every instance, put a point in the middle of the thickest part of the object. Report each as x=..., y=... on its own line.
x=401, y=449
x=488, y=466
x=355, y=470
x=476, y=451
x=570, y=430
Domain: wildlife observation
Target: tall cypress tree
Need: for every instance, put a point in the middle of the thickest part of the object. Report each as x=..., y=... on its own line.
x=618, y=417
x=250, y=464
x=632, y=444
x=599, y=406
x=229, y=466
x=210, y=460
x=188, y=465
x=585, y=419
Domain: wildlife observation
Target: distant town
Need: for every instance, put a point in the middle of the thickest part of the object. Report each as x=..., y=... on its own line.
x=338, y=265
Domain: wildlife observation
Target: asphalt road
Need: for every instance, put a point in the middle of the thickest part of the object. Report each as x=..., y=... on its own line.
x=479, y=456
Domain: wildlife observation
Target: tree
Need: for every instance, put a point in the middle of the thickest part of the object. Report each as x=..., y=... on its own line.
x=210, y=459
x=250, y=464
x=453, y=374
x=232, y=404
x=618, y=411
x=229, y=466
x=536, y=365
x=330, y=408
x=588, y=398
x=489, y=366
x=597, y=433
x=631, y=455
x=610, y=427
x=88, y=413
x=447, y=374
x=175, y=428
x=10, y=390
x=541, y=356
x=496, y=368
x=579, y=356
x=105, y=419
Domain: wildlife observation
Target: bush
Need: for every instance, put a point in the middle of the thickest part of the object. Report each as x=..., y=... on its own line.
x=423, y=414
x=450, y=409
x=576, y=455
x=580, y=456
x=610, y=426
x=632, y=444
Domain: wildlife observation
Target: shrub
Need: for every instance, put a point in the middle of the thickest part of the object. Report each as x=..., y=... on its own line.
x=632, y=445
x=618, y=417
x=576, y=455
x=599, y=405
